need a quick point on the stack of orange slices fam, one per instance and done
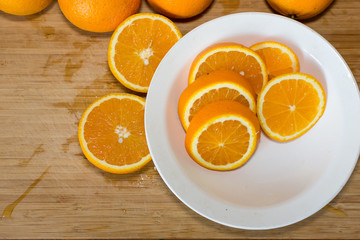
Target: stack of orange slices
(234, 91)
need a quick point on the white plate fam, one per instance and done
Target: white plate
(282, 183)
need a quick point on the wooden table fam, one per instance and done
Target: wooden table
(50, 71)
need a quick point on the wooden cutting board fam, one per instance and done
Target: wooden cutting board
(50, 71)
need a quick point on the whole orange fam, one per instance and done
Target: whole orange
(180, 8)
(23, 7)
(296, 9)
(98, 15)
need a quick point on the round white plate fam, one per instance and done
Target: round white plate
(282, 183)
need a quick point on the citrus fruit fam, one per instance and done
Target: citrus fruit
(230, 56)
(289, 105)
(137, 47)
(296, 9)
(180, 8)
(112, 133)
(23, 7)
(279, 58)
(98, 15)
(223, 135)
(216, 86)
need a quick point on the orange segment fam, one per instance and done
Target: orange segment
(112, 133)
(279, 58)
(230, 56)
(290, 105)
(137, 47)
(223, 135)
(216, 86)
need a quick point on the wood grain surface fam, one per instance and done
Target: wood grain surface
(50, 71)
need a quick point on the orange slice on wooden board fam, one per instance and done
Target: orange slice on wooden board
(230, 56)
(279, 58)
(112, 133)
(289, 105)
(218, 85)
(137, 46)
(223, 135)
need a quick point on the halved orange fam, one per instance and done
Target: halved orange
(112, 133)
(137, 46)
(230, 56)
(289, 105)
(279, 58)
(223, 135)
(218, 85)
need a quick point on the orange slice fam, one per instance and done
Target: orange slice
(223, 135)
(230, 56)
(289, 105)
(137, 46)
(112, 133)
(279, 58)
(216, 86)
